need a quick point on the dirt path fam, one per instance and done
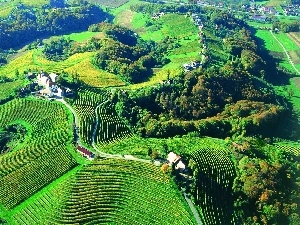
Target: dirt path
(288, 56)
(193, 209)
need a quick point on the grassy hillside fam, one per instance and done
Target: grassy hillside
(110, 191)
(79, 63)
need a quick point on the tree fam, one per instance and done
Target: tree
(165, 168)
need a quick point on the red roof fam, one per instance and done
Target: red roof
(85, 151)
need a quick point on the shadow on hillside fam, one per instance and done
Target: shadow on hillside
(272, 59)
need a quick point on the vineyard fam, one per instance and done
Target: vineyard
(110, 127)
(80, 63)
(214, 180)
(110, 192)
(99, 123)
(293, 149)
(42, 158)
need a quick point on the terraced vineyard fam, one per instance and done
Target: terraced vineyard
(84, 105)
(110, 127)
(110, 191)
(98, 120)
(43, 156)
(214, 181)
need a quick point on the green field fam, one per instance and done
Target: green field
(139, 146)
(269, 42)
(287, 42)
(79, 37)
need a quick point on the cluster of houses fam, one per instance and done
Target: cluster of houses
(196, 20)
(291, 10)
(45, 84)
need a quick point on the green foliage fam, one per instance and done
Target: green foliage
(266, 185)
(26, 24)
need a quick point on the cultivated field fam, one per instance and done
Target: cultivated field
(7, 89)
(110, 192)
(43, 157)
(214, 182)
(109, 3)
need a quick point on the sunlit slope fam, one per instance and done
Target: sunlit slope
(80, 63)
(110, 191)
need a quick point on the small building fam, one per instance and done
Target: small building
(173, 158)
(86, 153)
(176, 160)
(259, 18)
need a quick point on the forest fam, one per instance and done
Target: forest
(26, 24)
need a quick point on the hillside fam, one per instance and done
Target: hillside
(110, 191)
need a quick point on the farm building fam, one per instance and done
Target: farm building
(175, 160)
(86, 153)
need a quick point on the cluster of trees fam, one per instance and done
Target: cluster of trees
(126, 55)
(286, 27)
(167, 8)
(26, 24)
(10, 136)
(183, 105)
(267, 184)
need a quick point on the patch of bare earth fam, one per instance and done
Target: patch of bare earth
(125, 18)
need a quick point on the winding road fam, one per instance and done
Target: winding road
(107, 155)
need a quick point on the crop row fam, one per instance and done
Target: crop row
(112, 191)
(214, 182)
(43, 156)
(288, 148)
(110, 127)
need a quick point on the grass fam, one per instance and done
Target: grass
(109, 3)
(269, 42)
(83, 36)
(139, 146)
(287, 42)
